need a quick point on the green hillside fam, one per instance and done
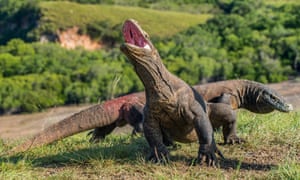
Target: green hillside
(56, 15)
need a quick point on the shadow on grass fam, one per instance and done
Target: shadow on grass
(237, 164)
(120, 152)
(228, 164)
(133, 152)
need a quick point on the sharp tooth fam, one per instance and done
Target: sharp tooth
(147, 47)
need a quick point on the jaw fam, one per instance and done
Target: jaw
(282, 107)
(277, 102)
(137, 46)
(136, 54)
(136, 39)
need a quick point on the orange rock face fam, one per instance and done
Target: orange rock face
(71, 39)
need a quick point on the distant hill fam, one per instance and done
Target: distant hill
(97, 21)
(159, 23)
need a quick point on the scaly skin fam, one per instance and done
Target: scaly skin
(250, 95)
(173, 108)
(220, 114)
(111, 114)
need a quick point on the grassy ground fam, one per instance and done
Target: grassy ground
(281, 2)
(61, 15)
(272, 151)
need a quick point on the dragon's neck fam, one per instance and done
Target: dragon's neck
(249, 96)
(157, 80)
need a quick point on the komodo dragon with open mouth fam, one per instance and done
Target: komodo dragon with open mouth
(173, 108)
(105, 117)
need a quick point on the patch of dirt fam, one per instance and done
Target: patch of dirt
(20, 126)
(71, 39)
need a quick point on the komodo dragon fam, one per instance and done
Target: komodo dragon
(173, 108)
(250, 95)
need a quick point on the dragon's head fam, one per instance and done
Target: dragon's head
(268, 100)
(137, 45)
(142, 54)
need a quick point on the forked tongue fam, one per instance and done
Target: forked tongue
(133, 35)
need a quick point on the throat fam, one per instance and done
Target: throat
(157, 81)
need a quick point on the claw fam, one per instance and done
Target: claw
(210, 159)
(90, 133)
(94, 137)
(220, 154)
(209, 152)
(159, 157)
(234, 140)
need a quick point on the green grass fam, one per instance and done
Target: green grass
(272, 151)
(281, 2)
(64, 15)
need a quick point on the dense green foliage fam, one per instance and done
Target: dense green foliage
(245, 39)
(35, 76)
(17, 18)
(249, 41)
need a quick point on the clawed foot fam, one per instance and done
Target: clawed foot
(160, 157)
(233, 140)
(207, 153)
(95, 137)
(172, 145)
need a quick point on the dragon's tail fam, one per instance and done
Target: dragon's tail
(95, 116)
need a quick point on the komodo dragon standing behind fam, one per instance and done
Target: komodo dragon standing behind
(173, 108)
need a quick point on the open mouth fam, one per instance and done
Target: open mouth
(134, 36)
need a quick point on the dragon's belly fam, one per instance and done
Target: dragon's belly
(183, 137)
(173, 119)
(179, 129)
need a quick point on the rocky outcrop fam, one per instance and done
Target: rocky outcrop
(71, 39)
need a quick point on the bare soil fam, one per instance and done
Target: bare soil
(20, 126)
